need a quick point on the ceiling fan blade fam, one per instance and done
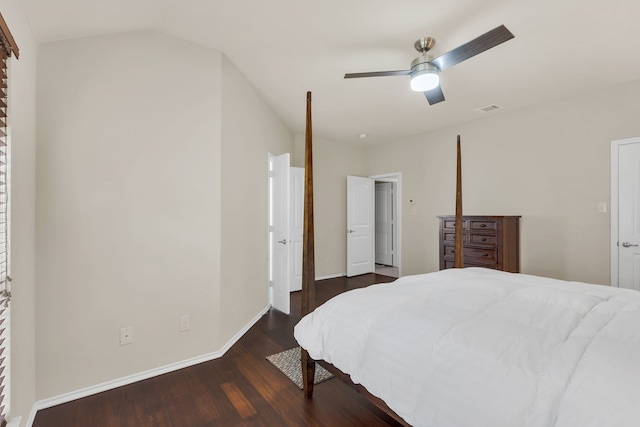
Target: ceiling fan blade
(470, 49)
(434, 95)
(378, 74)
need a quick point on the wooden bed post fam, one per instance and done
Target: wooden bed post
(458, 255)
(308, 253)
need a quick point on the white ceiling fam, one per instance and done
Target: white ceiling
(287, 47)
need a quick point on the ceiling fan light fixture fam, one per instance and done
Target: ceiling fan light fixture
(424, 75)
(425, 80)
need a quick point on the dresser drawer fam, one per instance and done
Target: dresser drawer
(474, 255)
(451, 224)
(485, 239)
(450, 235)
(448, 263)
(480, 239)
(485, 225)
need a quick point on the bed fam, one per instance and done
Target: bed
(480, 347)
(477, 347)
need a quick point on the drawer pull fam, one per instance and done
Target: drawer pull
(485, 254)
(484, 239)
(483, 225)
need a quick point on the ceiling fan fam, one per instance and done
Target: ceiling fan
(425, 70)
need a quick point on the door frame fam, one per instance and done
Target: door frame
(270, 157)
(615, 147)
(385, 211)
(395, 177)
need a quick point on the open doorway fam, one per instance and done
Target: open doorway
(361, 227)
(388, 216)
(286, 206)
(279, 252)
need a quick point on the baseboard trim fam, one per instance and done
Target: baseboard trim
(330, 276)
(130, 379)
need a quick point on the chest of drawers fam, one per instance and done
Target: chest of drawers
(488, 241)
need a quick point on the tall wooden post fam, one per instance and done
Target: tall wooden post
(308, 252)
(458, 254)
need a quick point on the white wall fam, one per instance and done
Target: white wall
(332, 162)
(128, 206)
(22, 116)
(550, 164)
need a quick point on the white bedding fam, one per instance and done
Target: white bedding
(477, 347)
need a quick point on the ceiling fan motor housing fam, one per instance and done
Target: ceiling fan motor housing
(422, 63)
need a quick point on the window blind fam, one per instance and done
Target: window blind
(5, 294)
(7, 48)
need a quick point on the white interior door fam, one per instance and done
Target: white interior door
(384, 223)
(627, 235)
(280, 233)
(297, 218)
(360, 225)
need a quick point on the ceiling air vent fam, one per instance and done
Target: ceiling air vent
(487, 108)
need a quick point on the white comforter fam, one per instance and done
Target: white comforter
(476, 347)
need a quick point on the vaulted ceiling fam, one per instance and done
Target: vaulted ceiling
(285, 47)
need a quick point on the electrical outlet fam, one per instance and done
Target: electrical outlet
(602, 207)
(126, 335)
(185, 323)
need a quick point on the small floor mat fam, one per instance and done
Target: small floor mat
(288, 362)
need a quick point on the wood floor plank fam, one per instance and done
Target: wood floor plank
(239, 389)
(284, 397)
(203, 400)
(238, 400)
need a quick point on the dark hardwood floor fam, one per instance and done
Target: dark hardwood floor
(239, 389)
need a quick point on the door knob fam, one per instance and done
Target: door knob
(283, 241)
(627, 244)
